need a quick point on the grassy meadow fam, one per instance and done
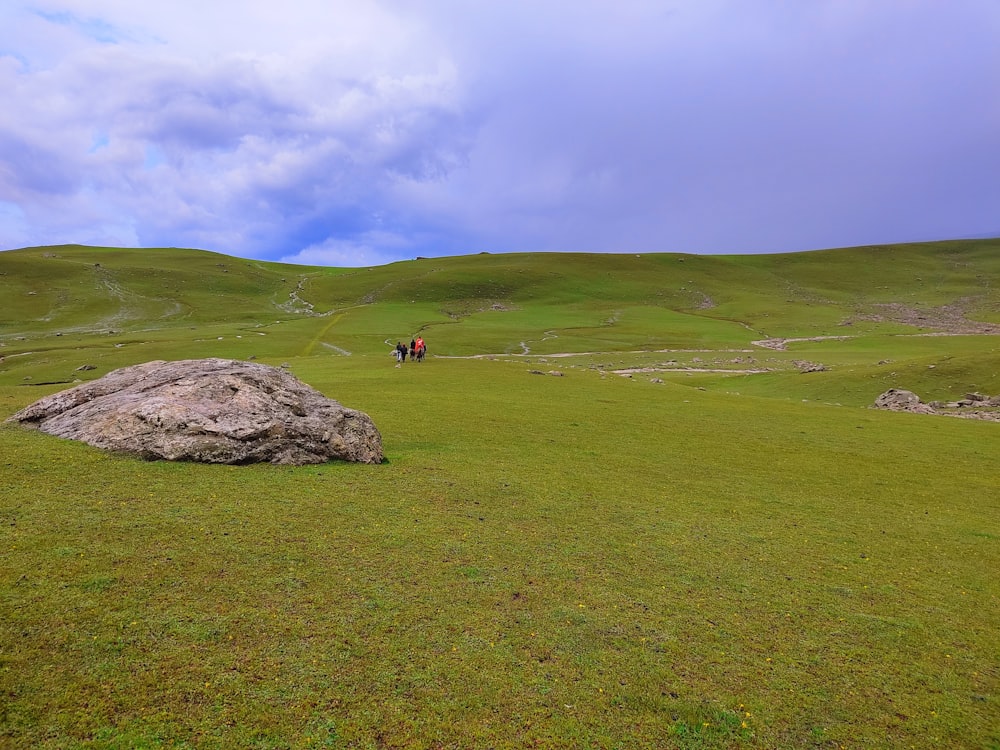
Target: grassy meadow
(685, 541)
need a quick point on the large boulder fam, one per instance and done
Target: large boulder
(208, 410)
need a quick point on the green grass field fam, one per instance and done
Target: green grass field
(740, 556)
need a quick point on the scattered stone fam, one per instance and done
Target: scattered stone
(656, 380)
(555, 373)
(84, 368)
(896, 399)
(210, 411)
(809, 366)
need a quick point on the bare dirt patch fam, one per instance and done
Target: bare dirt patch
(782, 344)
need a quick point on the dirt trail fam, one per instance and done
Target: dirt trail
(298, 306)
(561, 355)
(782, 344)
(635, 370)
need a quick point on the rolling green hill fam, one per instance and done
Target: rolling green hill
(697, 537)
(912, 306)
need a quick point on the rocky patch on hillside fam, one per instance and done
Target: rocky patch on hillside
(946, 319)
(209, 411)
(972, 406)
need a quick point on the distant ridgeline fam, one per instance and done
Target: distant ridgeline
(769, 311)
(942, 286)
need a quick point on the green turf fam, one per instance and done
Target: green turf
(720, 560)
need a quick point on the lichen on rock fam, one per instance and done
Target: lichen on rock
(210, 411)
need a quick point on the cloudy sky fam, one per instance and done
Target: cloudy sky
(356, 132)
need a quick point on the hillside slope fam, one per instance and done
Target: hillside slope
(932, 286)
(868, 308)
(697, 537)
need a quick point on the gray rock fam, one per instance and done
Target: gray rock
(896, 399)
(806, 367)
(208, 410)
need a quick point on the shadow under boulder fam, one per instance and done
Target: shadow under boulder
(210, 411)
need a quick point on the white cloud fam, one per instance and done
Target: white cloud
(371, 249)
(256, 128)
(193, 140)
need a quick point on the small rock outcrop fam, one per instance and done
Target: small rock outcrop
(806, 367)
(973, 406)
(210, 411)
(896, 399)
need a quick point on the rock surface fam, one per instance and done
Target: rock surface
(896, 399)
(210, 411)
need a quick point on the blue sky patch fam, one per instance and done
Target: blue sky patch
(101, 140)
(94, 28)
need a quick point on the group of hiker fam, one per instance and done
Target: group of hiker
(416, 350)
